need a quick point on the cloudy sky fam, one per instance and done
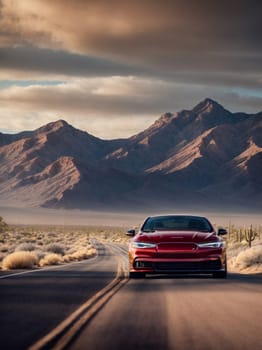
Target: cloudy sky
(111, 67)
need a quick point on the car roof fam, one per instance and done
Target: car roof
(176, 215)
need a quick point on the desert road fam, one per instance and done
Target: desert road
(92, 305)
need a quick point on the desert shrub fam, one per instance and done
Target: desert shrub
(17, 236)
(80, 255)
(55, 248)
(7, 249)
(233, 249)
(4, 248)
(51, 259)
(249, 257)
(40, 238)
(51, 234)
(26, 247)
(39, 253)
(19, 260)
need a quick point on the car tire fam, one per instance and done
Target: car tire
(220, 274)
(137, 275)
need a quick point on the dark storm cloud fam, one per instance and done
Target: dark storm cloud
(34, 62)
(33, 59)
(166, 38)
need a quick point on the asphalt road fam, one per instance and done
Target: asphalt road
(179, 313)
(158, 312)
(32, 304)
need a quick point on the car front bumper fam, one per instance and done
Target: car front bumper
(178, 265)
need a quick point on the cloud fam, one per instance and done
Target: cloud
(32, 63)
(123, 63)
(172, 38)
(112, 96)
(108, 107)
(77, 25)
(21, 61)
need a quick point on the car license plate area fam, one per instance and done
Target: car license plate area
(176, 247)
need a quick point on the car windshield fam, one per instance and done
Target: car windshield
(177, 223)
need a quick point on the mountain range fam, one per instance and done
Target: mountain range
(206, 157)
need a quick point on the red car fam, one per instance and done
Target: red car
(177, 244)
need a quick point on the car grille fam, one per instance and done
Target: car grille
(176, 247)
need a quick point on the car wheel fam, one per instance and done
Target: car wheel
(136, 275)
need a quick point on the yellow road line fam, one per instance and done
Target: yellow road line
(61, 335)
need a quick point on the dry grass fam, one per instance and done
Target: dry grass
(25, 247)
(67, 243)
(51, 259)
(111, 234)
(56, 244)
(241, 258)
(56, 248)
(74, 244)
(20, 260)
(81, 254)
(248, 260)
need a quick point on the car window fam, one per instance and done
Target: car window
(180, 223)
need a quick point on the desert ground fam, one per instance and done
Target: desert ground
(38, 237)
(34, 216)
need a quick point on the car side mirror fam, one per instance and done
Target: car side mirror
(221, 232)
(131, 233)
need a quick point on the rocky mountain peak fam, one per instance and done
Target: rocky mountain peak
(167, 115)
(208, 105)
(54, 126)
(164, 119)
(194, 155)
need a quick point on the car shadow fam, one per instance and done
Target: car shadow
(231, 277)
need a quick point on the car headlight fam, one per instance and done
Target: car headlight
(219, 244)
(143, 245)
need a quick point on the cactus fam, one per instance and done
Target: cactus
(259, 232)
(229, 230)
(239, 236)
(250, 235)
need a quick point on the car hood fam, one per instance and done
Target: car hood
(176, 236)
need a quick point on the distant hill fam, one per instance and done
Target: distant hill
(204, 157)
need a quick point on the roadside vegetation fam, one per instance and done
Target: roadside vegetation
(244, 249)
(37, 246)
